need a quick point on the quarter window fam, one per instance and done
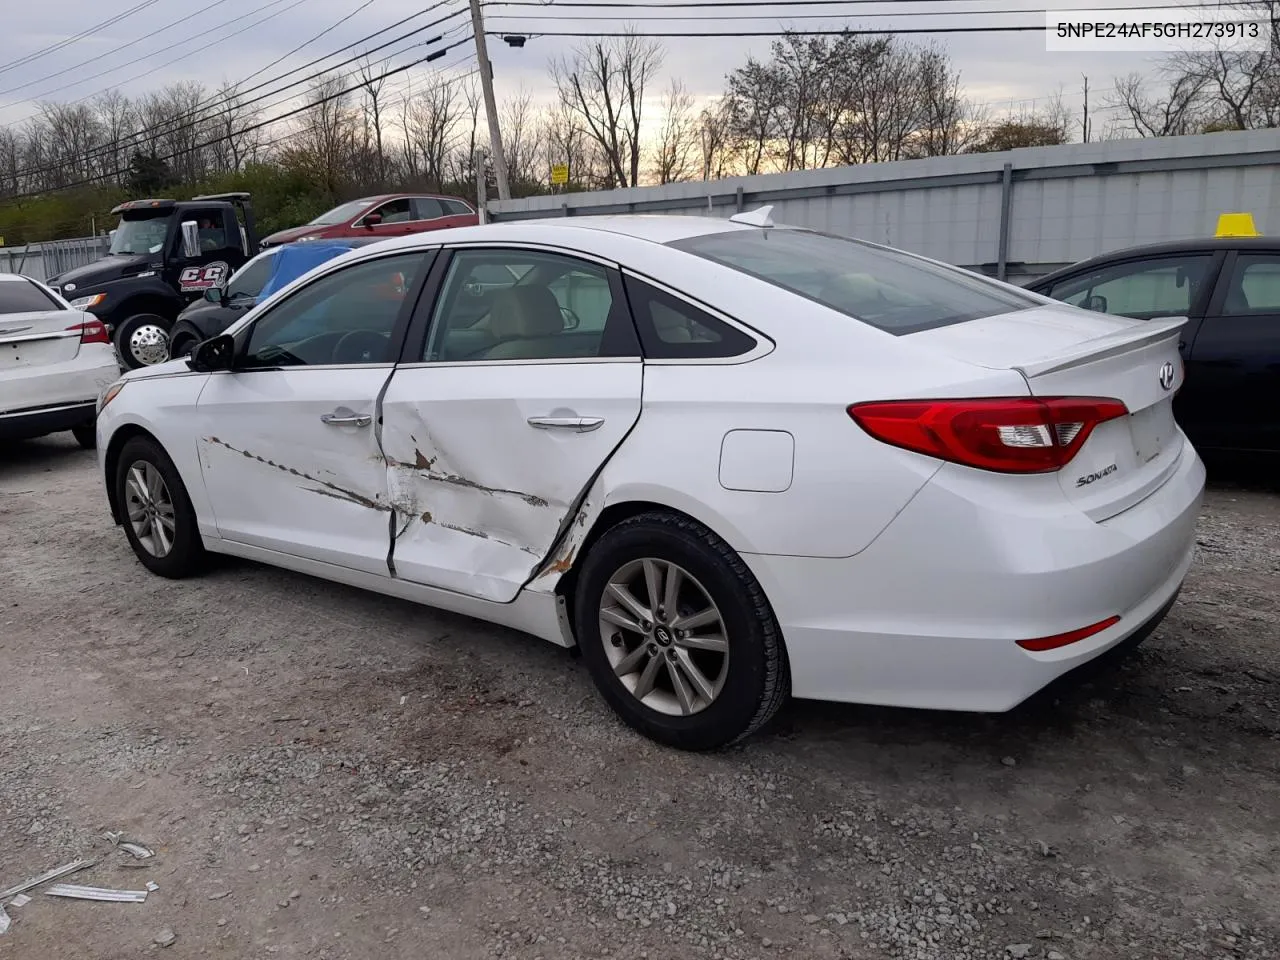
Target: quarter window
(1164, 287)
(346, 317)
(673, 329)
(1254, 287)
(527, 305)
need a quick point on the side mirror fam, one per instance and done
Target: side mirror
(216, 353)
(190, 239)
(1096, 303)
(372, 220)
(215, 295)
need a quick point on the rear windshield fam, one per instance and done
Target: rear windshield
(23, 296)
(892, 291)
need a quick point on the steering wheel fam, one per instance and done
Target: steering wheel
(360, 346)
(571, 320)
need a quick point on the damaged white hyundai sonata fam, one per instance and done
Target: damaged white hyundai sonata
(729, 461)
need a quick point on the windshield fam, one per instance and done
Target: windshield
(341, 214)
(139, 236)
(249, 280)
(887, 289)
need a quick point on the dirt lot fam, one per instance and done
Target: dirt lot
(329, 774)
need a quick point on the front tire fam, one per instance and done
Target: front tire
(158, 518)
(705, 674)
(142, 340)
(182, 345)
(86, 435)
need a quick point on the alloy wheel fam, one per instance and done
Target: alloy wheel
(150, 509)
(664, 637)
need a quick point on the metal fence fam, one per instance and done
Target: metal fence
(52, 257)
(1016, 215)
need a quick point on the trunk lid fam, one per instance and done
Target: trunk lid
(39, 338)
(1064, 352)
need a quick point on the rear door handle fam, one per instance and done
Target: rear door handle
(347, 419)
(578, 424)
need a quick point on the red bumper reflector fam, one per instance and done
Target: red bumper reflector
(1072, 636)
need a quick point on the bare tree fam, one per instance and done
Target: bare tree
(325, 139)
(713, 139)
(603, 83)
(430, 120)
(1180, 110)
(678, 137)
(522, 141)
(231, 118)
(371, 84)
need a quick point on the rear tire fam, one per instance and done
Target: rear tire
(159, 520)
(707, 674)
(86, 435)
(142, 340)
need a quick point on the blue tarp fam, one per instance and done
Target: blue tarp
(292, 261)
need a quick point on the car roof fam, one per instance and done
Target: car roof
(1164, 249)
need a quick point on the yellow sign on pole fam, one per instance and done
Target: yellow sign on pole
(559, 174)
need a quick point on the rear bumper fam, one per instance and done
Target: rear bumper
(929, 615)
(26, 424)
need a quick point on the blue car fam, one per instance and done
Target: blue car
(262, 276)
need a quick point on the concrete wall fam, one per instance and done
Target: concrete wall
(1042, 207)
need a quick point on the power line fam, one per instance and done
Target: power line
(779, 33)
(252, 127)
(1008, 11)
(306, 43)
(195, 110)
(96, 28)
(200, 118)
(125, 46)
(148, 73)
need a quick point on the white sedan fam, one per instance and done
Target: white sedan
(729, 461)
(54, 363)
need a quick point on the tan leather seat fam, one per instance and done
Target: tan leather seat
(527, 322)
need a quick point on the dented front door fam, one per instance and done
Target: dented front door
(492, 458)
(291, 462)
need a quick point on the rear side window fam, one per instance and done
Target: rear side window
(456, 207)
(673, 329)
(887, 289)
(1254, 287)
(427, 208)
(23, 296)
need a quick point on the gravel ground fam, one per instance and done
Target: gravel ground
(329, 774)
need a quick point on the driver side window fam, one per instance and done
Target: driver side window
(1167, 286)
(346, 317)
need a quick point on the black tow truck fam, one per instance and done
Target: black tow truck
(164, 254)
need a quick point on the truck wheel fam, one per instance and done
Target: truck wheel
(143, 340)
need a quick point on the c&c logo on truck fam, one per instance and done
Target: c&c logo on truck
(202, 278)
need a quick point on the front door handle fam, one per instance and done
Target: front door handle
(347, 419)
(578, 424)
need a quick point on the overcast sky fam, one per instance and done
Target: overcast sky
(212, 41)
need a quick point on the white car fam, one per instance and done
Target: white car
(54, 363)
(728, 461)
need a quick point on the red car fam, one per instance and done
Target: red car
(386, 215)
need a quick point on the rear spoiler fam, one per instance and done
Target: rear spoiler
(1141, 334)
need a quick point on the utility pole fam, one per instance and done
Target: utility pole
(1085, 122)
(482, 186)
(490, 105)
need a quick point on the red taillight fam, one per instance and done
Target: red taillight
(1071, 636)
(92, 331)
(1005, 434)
